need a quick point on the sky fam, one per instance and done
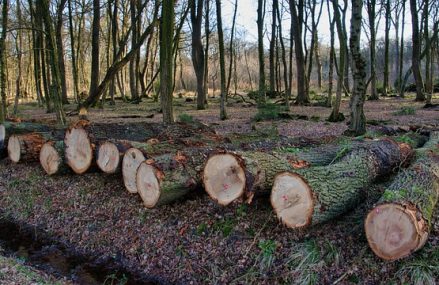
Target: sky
(247, 14)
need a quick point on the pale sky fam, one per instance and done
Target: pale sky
(247, 14)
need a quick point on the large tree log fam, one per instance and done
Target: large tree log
(228, 176)
(79, 147)
(400, 222)
(167, 178)
(52, 157)
(25, 147)
(315, 195)
(3, 152)
(109, 155)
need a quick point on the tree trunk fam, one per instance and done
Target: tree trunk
(197, 50)
(336, 115)
(388, 17)
(400, 223)
(60, 51)
(223, 112)
(357, 125)
(19, 50)
(261, 57)
(73, 52)
(25, 147)
(3, 56)
(166, 73)
(132, 159)
(52, 158)
(372, 47)
(416, 49)
(94, 79)
(272, 45)
(296, 33)
(167, 178)
(315, 195)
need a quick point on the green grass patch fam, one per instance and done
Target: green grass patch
(269, 112)
(185, 118)
(405, 111)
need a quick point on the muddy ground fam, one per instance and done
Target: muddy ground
(197, 242)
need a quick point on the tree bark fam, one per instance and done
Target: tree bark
(311, 196)
(60, 51)
(416, 49)
(357, 125)
(223, 112)
(166, 58)
(400, 223)
(196, 11)
(3, 56)
(25, 147)
(52, 158)
(372, 47)
(261, 57)
(95, 48)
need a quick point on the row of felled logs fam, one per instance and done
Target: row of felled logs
(306, 186)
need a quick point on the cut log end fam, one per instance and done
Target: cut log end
(14, 148)
(2, 136)
(131, 161)
(78, 150)
(292, 200)
(108, 157)
(224, 178)
(50, 159)
(148, 184)
(393, 231)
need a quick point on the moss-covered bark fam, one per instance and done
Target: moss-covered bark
(341, 186)
(415, 191)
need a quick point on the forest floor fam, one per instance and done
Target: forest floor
(198, 242)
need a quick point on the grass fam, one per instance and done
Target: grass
(266, 257)
(269, 112)
(405, 111)
(421, 269)
(185, 118)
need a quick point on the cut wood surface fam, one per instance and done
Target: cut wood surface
(78, 149)
(400, 222)
(315, 195)
(25, 148)
(52, 157)
(132, 159)
(109, 155)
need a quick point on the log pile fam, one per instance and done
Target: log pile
(306, 186)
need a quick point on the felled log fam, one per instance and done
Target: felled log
(315, 195)
(229, 176)
(3, 152)
(109, 155)
(400, 222)
(25, 147)
(52, 157)
(132, 159)
(167, 178)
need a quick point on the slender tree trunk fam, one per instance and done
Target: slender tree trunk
(357, 125)
(386, 48)
(272, 44)
(94, 78)
(166, 58)
(223, 112)
(401, 53)
(336, 115)
(416, 49)
(73, 52)
(284, 59)
(3, 107)
(19, 50)
(60, 50)
(372, 48)
(206, 52)
(428, 79)
(261, 57)
(331, 58)
(196, 10)
(296, 33)
(132, 65)
(231, 49)
(55, 88)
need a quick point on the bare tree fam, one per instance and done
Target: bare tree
(416, 50)
(3, 83)
(223, 112)
(357, 124)
(166, 60)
